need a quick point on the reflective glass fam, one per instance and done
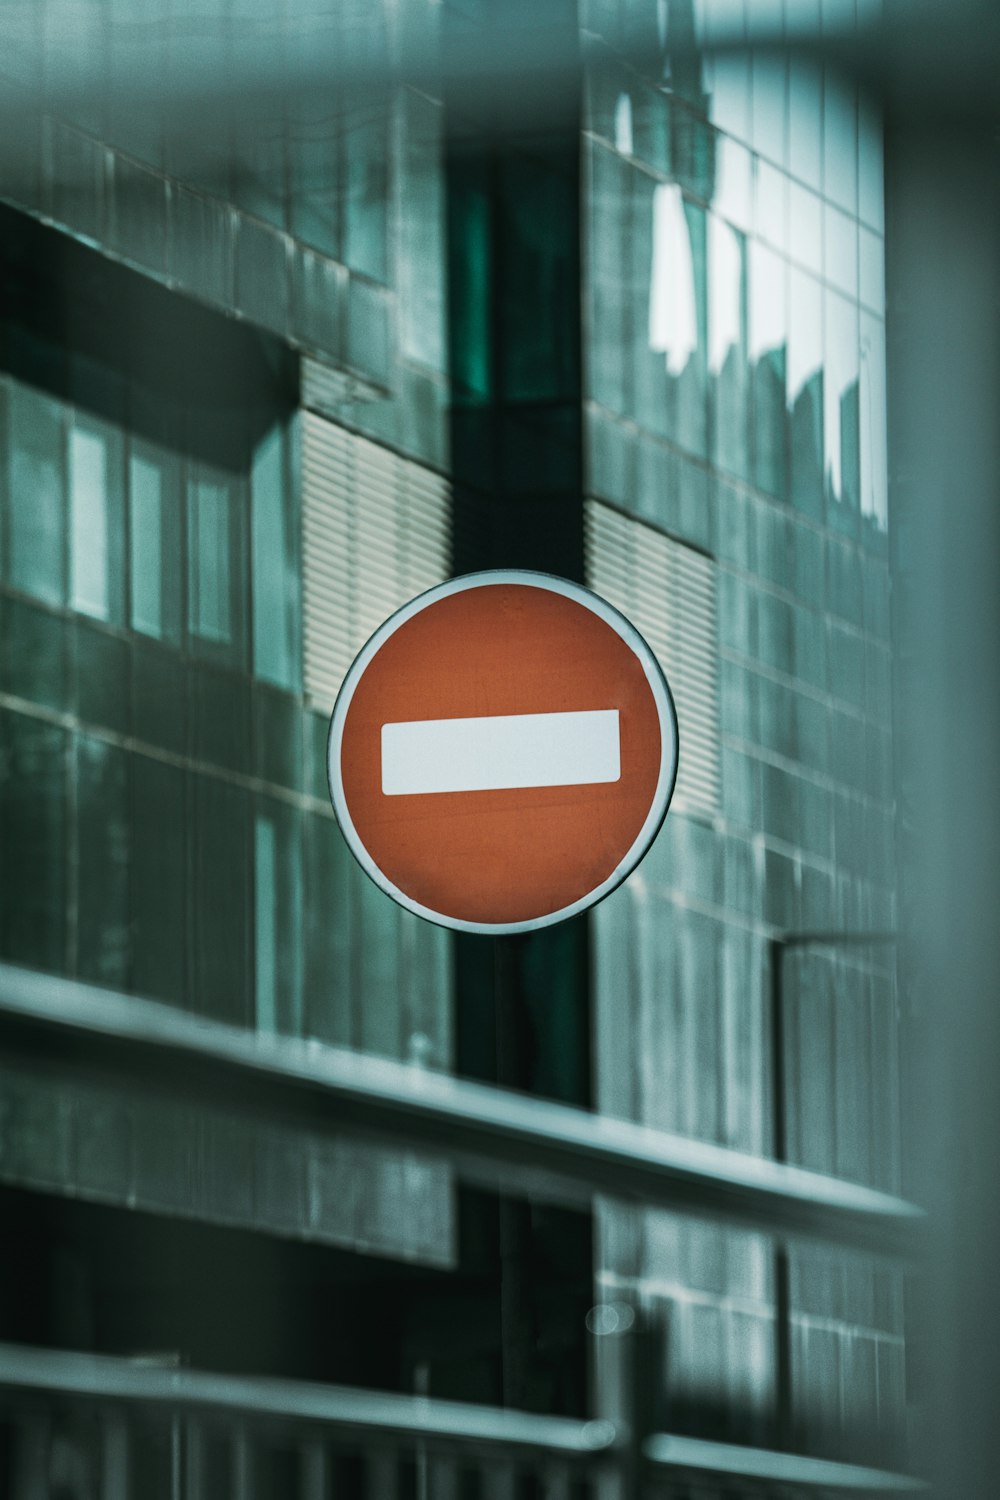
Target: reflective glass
(365, 183)
(103, 816)
(36, 484)
(874, 459)
(840, 141)
(276, 590)
(805, 391)
(278, 918)
(769, 86)
(871, 187)
(728, 87)
(805, 228)
(840, 405)
(805, 122)
(221, 865)
(649, 395)
(768, 340)
(840, 250)
(677, 311)
(727, 345)
(771, 218)
(33, 822)
(872, 270)
(421, 229)
(313, 178)
(96, 529)
(733, 183)
(155, 530)
(211, 564)
(609, 199)
(470, 230)
(538, 277)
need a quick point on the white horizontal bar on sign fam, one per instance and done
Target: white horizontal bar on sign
(500, 751)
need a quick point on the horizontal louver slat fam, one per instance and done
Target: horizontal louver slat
(668, 591)
(375, 532)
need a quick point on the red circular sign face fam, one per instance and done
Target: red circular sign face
(502, 752)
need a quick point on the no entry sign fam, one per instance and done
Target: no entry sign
(502, 752)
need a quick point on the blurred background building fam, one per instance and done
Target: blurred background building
(269, 370)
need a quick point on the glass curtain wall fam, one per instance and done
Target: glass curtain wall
(734, 401)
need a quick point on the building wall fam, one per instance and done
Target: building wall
(734, 358)
(166, 824)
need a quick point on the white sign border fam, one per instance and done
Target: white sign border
(669, 743)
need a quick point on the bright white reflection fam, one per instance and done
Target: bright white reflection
(725, 293)
(733, 188)
(767, 304)
(623, 125)
(841, 379)
(673, 328)
(874, 459)
(805, 332)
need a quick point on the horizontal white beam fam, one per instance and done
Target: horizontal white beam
(500, 751)
(524, 1145)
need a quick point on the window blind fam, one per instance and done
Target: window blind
(375, 531)
(668, 591)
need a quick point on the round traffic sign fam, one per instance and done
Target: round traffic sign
(502, 752)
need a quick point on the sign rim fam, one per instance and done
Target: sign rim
(669, 743)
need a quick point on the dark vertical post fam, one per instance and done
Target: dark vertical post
(779, 1128)
(516, 1330)
(943, 296)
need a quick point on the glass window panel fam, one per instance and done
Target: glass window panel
(314, 214)
(539, 276)
(217, 546)
(727, 84)
(720, 19)
(677, 310)
(727, 345)
(874, 462)
(769, 106)
(278, 919)
(841, 406)
(365, 189)
(733, 183)
(805, 391)
(623, 124)
(872, 267)
(102, 815)
(840, 250)
(805, 227)
(159, 886)
(275, 564)
(221, 864)
(840, 141)
(88, 490)
(146, 494)
(802, 18)
(329, 935)
(264, 926)
(35, 538)
(768, 354)
(607, 262)
(772, 206)
(33, 842)
(871, 187)
(470, 259)
(649, 400)
(651, 115)
(805, 118)
(211, 604)
(155, 540)
(421, 258)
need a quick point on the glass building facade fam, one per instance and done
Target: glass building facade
(261, 383)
